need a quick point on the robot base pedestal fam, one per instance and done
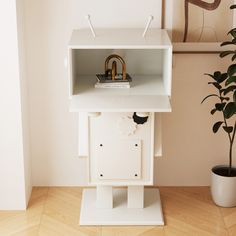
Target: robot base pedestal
(151, 214)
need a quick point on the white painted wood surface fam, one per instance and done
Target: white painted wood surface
(117, 160)
(144, 62)
(152, 103)
(147, 94)
(141, 85)
(150, 70)
(104, 197)
(158, 135)
(83, 135)
(120, 39)
(167, 71)
(151, 214)
(135, 197)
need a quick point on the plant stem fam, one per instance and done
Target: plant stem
(230, 159)
(231, 140)
(234, 132)
(231, 149)
(226, 125)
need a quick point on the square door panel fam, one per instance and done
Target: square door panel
(119, 159)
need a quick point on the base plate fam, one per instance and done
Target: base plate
(151, 214)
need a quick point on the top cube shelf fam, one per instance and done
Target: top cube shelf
(120, 39)
(148, 61)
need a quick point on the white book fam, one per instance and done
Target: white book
(112, 85)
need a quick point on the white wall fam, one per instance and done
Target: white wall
(190, 149)
(13, 194)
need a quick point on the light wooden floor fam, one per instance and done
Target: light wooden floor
(55, 212)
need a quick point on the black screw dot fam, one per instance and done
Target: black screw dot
(101, 175)
(136, 175)
(136, 145)
(101, 145)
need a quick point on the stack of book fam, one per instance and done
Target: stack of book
(107, 82)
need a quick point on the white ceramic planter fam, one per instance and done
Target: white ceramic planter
(223, 189)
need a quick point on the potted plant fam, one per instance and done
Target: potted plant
(223, 181)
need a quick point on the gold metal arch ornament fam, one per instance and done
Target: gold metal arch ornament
(204, 5)
(113, 71)
(111, 75)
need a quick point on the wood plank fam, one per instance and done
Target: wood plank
(55, 211)
(120, 38)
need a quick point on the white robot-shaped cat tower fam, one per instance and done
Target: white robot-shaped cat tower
(119, 128)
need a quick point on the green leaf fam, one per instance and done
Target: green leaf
(233, 57)
(228, 129)
(218, 77)
(229, 89)
(216, 126)
(212, 76)
(231, 70)
(230, 80)
(221, 91)
(223, 77)
(226, 53)
(230, 110)
(220, 106)
(211, 95)
(227, 43)
(233, 6)
(217, 85)
(225, 98)
(213, 111)
(232, 30)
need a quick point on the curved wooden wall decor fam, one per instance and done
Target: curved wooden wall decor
(204, 5)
